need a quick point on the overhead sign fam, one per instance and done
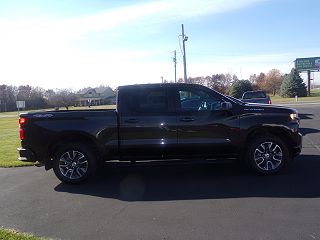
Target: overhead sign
(304, 64)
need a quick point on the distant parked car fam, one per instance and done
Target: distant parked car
(256, 97)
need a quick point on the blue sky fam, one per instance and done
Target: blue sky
(79, 43)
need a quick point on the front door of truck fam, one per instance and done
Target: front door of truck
(147, 121)
(204, 127)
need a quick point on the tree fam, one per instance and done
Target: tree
(293, 85)
(260, 81)
(219, 82)
(24, 93)
(239, 87)
(7, 99)
(273, 80)
(63, 98)
(197, 80)
(37, 98)
(49, 94)
(235, 77)
(253, 78)
(34, 97)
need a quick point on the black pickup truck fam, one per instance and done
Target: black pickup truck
(161, 122)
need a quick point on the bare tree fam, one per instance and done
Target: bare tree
(220, 82)
(253, 78)
(197, 80)
(63, 98)
(7, 98)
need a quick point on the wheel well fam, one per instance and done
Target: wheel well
(281, 133)
(68, 138)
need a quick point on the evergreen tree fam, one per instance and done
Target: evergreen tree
(238, 87)
(293, 85)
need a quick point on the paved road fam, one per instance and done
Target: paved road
(172, 202)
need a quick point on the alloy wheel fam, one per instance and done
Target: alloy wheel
(73, 164)
(268, 156)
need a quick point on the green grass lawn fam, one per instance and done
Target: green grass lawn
(10, 234)
(9, 142)
(314, 97)
(9, 137)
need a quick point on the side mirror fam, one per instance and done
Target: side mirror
(226, 106)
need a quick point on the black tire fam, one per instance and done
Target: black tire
(74, 163)
(267, 155)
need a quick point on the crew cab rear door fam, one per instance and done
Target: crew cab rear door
(204, 128)
(147, 122)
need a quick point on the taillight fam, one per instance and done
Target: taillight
(22, 122)
(21, 134)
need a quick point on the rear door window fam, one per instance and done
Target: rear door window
(148, 100)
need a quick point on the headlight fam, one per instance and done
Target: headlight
(293, 116)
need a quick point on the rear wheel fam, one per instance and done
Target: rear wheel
(74, 163)
(267, 155)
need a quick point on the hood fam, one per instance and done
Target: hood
(267, 108)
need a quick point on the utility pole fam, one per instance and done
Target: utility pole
(161, 79)
(175, 66)
(184, 39)
(309, 83)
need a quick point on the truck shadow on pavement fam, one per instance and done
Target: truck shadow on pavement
(209, 181)
(306, 131)
(303, 116)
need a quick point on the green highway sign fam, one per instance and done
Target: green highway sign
(304, 64)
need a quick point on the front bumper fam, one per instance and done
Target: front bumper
(26, 155)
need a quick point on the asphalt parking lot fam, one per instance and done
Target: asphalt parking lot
(216, 201)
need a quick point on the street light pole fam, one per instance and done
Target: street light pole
(184, 39)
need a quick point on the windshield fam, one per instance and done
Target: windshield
(249, 95)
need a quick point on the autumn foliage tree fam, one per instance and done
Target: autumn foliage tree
(218, 82)
(260, 81)
(273, 81)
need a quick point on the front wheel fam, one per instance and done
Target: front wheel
(268, 155)
(74, 163)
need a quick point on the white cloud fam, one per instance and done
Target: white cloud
(43, 51)
(73, 28)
